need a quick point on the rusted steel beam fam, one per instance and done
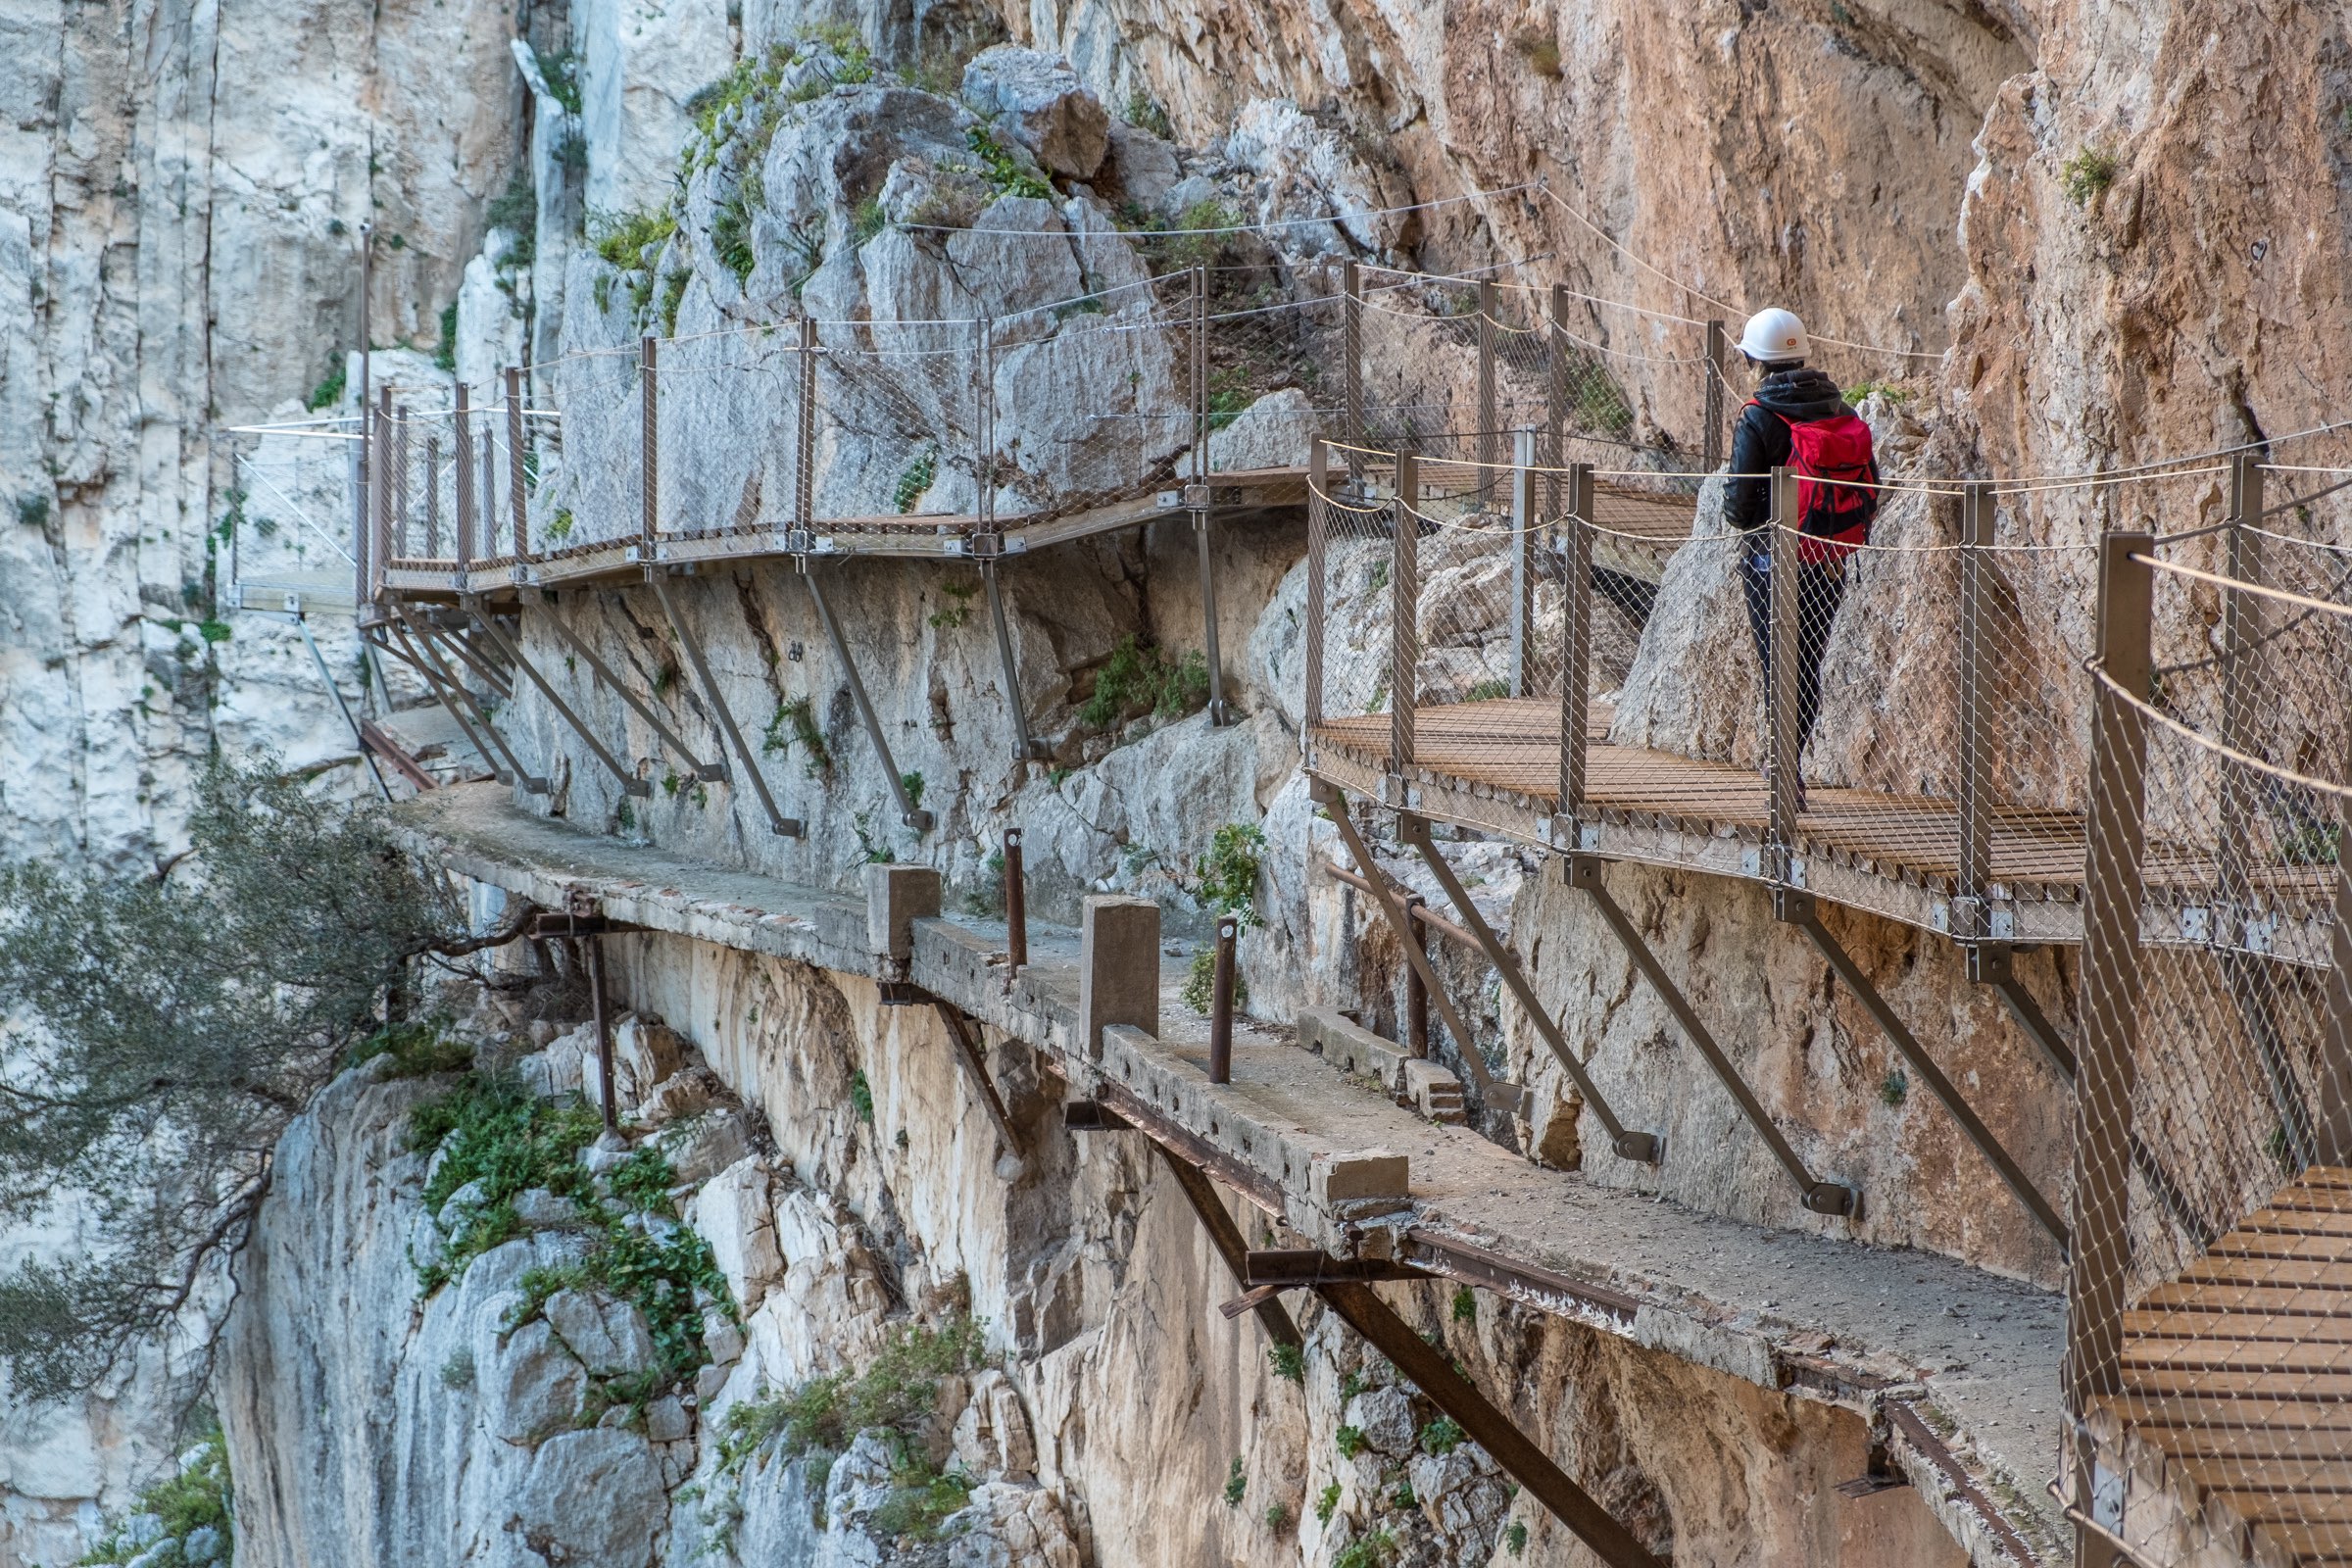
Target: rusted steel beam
(1226, 1237)
(1220, 1014)
(975, 1069)
(1428, 1370)
(781, 826)
(1290, 1267)
(1638, 1146)
(709, 772)
(630, 783)
(1017, 908)
(372, 736)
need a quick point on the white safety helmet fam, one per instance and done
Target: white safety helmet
(1773, 336)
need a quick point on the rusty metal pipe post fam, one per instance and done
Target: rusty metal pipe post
(1416, 995)
(594, 949)
(1318, 531)
(461, 546)
(1711, 439)
(1576, 655)
(1016, 907)
(1785, 744)
(1220, 1018)
(1351, 366)
(803, 472)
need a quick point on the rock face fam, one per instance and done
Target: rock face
(1116, 1418)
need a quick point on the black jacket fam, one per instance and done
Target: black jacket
(1760, 442)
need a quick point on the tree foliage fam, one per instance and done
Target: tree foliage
(164, 1029)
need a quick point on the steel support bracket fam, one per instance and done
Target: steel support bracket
(630, 783)
(1494, 1093)
(1093, 1116)
(716, 772)
(1819, 1197)
(910, 813)
(1794, 907)
(1298, 1267)
(969, 1057)
(1643, 1147)
(778, 823)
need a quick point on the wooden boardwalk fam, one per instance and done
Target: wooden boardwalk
(1495, 765)
(2234, 1419)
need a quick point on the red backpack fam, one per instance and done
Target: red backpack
(1836, 515)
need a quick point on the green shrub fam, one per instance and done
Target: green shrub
(32, 509)
(1516, 1538)
(1402, 1497)
(914, 482)
(198, 1498)
(1278, 1516)
(1289, 1362)
(1375, 1551)
(562, 73)
(920, 1499)
(2088, 175)
(328, 391)
(1351, 1441)
(795, 724)
(1235, 1484)
(1465, 1305)
(1145, 113)
(1228, 870)
(1328, 1503)
(731, 233)
(1895, 1087)
(1002, 169)
(1137, 678)
(867, 219)
(1443, 1436)
(445, 356)
(673, 295)
(861, 1098)
(419, 1048)
(1486, 691)
(1199, 991)
(950, 616)
(625, 240)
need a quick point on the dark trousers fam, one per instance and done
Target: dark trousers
(1819, 588)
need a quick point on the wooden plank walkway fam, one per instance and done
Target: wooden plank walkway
(2237, 1386)
(1495, 765)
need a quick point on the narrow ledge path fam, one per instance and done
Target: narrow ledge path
(1959, 1365)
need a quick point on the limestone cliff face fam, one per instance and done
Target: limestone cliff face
(373, 1422)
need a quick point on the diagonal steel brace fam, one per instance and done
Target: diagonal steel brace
(1794, 907)
(448, 684)
(630, 783)
(709, 772)
(1013, 671)
(976, 1068)
(1644, 1148)
(780, 824)
(1495, 1093)
(492, 677)
(1819, 1196)
(909, 812)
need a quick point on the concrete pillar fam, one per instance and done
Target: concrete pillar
(895, 897)
(1119, 969)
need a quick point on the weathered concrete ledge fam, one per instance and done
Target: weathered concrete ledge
(1960, 1367)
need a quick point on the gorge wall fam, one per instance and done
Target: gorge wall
(2032, 184)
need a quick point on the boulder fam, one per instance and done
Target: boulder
(992, 1437)
(1271, 434)
(543, 1210)
(1037, 98)
(609, 1336)
(1008, 1526)
(531, 1386)
(702, 1146)
(646, 1052)
(734, 1214)
(592, 1497)
(1385, 1416)
(1145, 166)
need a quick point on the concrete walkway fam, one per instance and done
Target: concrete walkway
(1961, 1367)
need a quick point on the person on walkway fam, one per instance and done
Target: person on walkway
(1797, 419)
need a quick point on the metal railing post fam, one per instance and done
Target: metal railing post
(362, 519)
(1016, 907)
(1351, 370)
(400, 550)
(1576, 655)
(1416, 990)
(2242, 627)
(1711, 440)
(1488, 435)
(1203, 519)
(1523, 557)
(2106, 1070)
(1405, 599)
(385, 461)
(1785, 744)
(460, 546)
(804, 475)
(485, 533)
(1318, 530)
(984, 425)
(518, 494)
(649, 395)
(432, 496)
(1555, 395)
(1970, 921)
(1220, 1016)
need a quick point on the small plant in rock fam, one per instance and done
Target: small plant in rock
(1515, 1537)
(1002, 169)
(861, 1098)
(1349, 1441)
(1401, 1497)
(1327, 1503)
(329, 391)
(872, 849)
(1895, 1086)
(181, 1520)
(1278, 1516)
(954, 614)
(2088, 175)
(867, 220)
(445, 356)
(913, 481)
(558, 528)
(1375, 1551)
(1235, 1484)
(795, 724)
(561, 72)
(1144, 113)
(1487, 691)
(1443, 1436)
(458, 1371)
(1465, 1305)
(1289, 1362)
(419, 1048)
(731, 230)
(1139, 678)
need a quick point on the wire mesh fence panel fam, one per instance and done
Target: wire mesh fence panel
(899, 419)
(1357, 595)
(1093, 400)
(728, 433)
(1273, 361)
(589, 489)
